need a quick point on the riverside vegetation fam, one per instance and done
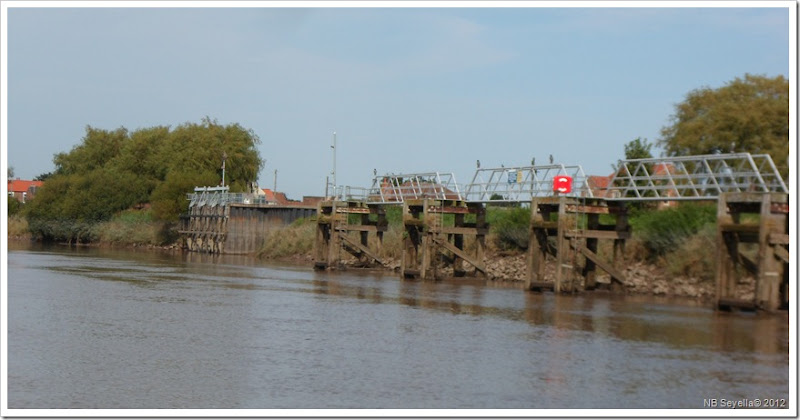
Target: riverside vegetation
(130, 186)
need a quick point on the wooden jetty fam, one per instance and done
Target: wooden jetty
(428, 236)
(575, 226)
(337, 224)
(762, 220)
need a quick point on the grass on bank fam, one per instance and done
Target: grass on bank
(134, 227)
(128, 227)
(18, 227)
(292, 240)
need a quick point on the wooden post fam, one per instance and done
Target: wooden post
(458, 242)
(364, 236)
(563, 262)
(589, 269)
(725, 263)
(427, 242)
(480, 237)
(537, 246)
(322, 238)
(383, 225)
(785, 285)
(334, 243)
(619, 244)
(768, 282)
(409, 265)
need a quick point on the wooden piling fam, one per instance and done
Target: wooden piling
(770, 265)
(333, 233)
(575, 249)
(429, 244)
(213, 226)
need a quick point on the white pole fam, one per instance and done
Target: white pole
(334, 163)
(224, 157)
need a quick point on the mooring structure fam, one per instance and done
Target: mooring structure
(568, 224)
(345, 225)
(221, 222)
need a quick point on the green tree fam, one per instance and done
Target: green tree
(197, 147)
(749, 114)
(638, 148)
(14, 206)
(98, 147)
(10, 172)
(169, 198)
(43, 176)
(113, 170)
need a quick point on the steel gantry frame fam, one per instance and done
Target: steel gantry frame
(396, 188)
(523, 183)
(699, 177)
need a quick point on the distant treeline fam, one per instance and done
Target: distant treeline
(111, 171)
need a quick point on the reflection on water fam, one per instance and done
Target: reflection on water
(93, 328)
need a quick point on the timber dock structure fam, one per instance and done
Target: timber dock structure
(568, 221)
(566, 225)
(220, 222)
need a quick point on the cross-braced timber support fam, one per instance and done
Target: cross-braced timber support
(205, 228)
(427, 236)
(335, 222)
(575, 244)
(769, 265)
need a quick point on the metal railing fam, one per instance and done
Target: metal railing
(694, 177)
(396, 188)
(700, 177)
(219, 196)
(523, 183)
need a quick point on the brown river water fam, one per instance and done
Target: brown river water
(99, 328)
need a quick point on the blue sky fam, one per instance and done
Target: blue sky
(406, 89)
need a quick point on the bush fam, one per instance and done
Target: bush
(662, 231)
(509, 226)
(295, 239)
(17, 227)
(66, 230)
(14, 206)
(695, 255)
(134, 227)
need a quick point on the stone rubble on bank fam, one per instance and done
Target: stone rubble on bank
(641, 277)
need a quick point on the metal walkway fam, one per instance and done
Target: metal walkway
(702, 177)
(523, 183)
(396, 188)
(699, 177)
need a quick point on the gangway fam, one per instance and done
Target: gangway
(396, 188)
(523, 183)
(700, 177)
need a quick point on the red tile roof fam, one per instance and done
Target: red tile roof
(278, 197)
(598, 181)
(663, 169)
(269, 195)
(19, 185)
